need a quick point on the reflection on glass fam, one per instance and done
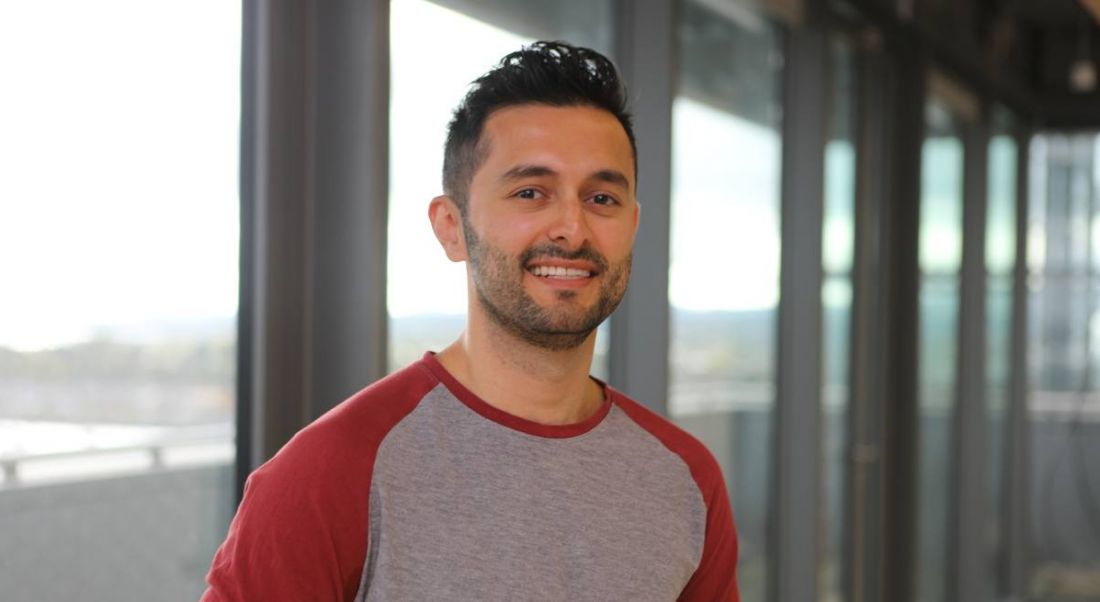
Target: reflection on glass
(941, 204)
(1000, 257)
(118, 258)
(725, 259)
(1060, 310)
(838, 246)
(1064, 405)
(940, 261)
(1000, 236)
(426, 293)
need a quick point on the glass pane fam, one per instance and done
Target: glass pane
(426, 293)
(1067, 204)
(1036, 211)
(1064, 338)
(836, 321)
(1000, 233)
(836, 296)
(939, 305)
(941, 200)
(940, 259)
(1095, 228)
(1058, 344)
(725, 200)
(118, 254)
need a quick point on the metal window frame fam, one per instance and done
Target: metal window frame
(797, 442)
(1016, 565)
(966, 560)
(314, 153)
(645, 49)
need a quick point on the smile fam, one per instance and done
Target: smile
(546, 271)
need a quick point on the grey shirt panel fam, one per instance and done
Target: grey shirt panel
(466, 508)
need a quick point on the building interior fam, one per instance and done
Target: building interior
(867, 273)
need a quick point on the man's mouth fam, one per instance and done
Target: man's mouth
(549, 271)
(550, 262)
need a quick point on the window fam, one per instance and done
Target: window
(118, 254)
(724, 264)
(940, 261)
(1064, 346)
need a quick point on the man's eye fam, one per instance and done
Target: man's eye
(528, 193)
(604, 199)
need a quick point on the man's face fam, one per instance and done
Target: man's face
(550, 222)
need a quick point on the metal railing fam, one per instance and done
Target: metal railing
(155, 448)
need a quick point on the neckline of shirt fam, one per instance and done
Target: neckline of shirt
(499, 416)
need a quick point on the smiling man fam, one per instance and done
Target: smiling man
(498, 469)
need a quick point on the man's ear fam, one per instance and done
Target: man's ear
(447, 225)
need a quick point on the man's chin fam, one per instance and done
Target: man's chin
(556, 340)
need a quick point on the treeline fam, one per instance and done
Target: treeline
(194, 361)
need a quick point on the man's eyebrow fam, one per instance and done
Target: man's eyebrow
(520, 172)
(612, 176)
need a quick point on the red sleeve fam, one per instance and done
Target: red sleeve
(301, 530)
(716, 577)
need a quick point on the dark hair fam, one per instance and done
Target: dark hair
(550, 73)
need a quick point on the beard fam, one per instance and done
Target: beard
(498, 282)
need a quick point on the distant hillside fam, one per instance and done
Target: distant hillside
(181, 380)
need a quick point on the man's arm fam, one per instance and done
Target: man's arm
(716, 577)
(290, 540)
(302, 529)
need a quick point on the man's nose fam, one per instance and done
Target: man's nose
(570, 226)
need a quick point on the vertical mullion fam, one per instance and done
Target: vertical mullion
(798, 465)
(967, 557)
(863, 505)
(1017, 456)
(246, 258)
(278, 178)
(902, 212)
(646, 49)
(351, 190)
(314, 149)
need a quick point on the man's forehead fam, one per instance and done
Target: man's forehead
(513, 138)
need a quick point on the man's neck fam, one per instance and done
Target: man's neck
(540, 385)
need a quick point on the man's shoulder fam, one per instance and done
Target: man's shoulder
(701, 462)
(351, 432)
(379, 406)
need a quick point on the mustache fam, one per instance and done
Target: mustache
(584, 253)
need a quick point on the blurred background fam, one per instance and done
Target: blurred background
(867, 276)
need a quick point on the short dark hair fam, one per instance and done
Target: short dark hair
(549, 73)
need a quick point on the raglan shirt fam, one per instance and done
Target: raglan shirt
(416, 489)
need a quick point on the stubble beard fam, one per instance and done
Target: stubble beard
(498, 282)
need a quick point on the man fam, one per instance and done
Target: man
(498, 469)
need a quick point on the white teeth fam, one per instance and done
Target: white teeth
(559, 272)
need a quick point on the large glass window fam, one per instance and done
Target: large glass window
(724, 273)
(1064, 346)
(426, 293)
(940, 261)
(838, 240)
(118, 257)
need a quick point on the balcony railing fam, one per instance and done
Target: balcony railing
(35, 452)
